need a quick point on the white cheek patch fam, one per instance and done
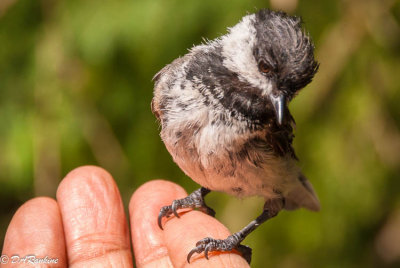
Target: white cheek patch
(237, 50)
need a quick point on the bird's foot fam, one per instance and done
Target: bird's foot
(209, 244)
(194, 200)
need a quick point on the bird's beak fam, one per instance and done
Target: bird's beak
(279, 102)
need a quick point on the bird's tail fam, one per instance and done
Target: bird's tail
(302, 195)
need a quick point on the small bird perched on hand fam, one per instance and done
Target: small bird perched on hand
(225, 121)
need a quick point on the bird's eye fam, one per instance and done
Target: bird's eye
(264, 67)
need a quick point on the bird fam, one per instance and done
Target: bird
(224, 117)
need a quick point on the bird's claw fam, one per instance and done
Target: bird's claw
(194, 200)
(167, 211)
(209, 244)
(175, 205)
(205, 245)
(164, 212)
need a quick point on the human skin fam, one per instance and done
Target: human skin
(87, 227)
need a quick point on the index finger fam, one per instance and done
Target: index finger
(179, 235)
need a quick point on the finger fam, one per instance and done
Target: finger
(179, 235)
(147, 238)
(36, 231)
(96, 230)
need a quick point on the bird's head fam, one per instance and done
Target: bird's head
(270, 51)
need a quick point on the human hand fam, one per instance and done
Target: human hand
(87, 227)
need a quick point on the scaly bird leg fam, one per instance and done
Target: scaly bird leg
(194, 200)
(206, 245)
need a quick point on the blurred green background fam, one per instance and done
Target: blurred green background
(75, 89)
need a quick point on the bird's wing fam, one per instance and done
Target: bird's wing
(158, 75)
(161, 84)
